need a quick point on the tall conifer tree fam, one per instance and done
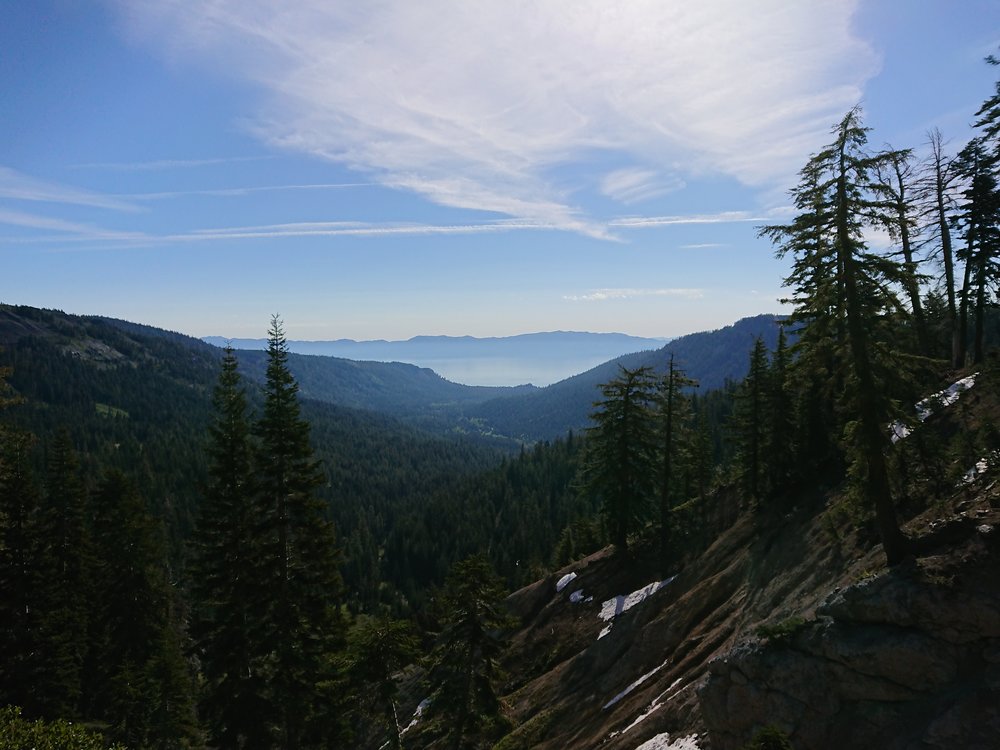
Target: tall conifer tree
(751, 423)
(621, 450)
(227, 598)
(136, 678)
(62, 583)
(465, 666)
(844, 296)
(299, 572)
(673, 413)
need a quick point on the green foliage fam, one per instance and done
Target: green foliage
(465, 664)
(622, 451)
(299, 626)
(18, 733)
(780, 630)
(846, 302)
(529, 734)
(673, 416)
(62, 580)
(135, 676)
(225, 553)
(769, 738)
(751, 423)
(377, 650)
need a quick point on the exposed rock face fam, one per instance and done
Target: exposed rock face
(909, 659)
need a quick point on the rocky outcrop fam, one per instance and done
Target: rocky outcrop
(908, 659)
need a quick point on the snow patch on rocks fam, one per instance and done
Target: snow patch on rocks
(620, 604)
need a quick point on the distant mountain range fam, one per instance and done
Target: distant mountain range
(524, 413)
(500, 416)
(537, 358)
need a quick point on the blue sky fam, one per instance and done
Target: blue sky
(382, 170)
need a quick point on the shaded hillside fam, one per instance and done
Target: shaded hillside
(787, 617)
(390, 387)
(712, 358)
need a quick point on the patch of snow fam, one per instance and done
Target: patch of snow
(942, 398)
(612, 608)
(632, 687)
(564, 581)
(421, 707)
(981, 467)
(577, 596)
(662, 742)
(652, 708)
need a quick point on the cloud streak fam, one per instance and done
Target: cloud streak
(241, 191)
(604, 295)
(651, 222)
(70, 229)
(19, 186)
(160, 164)
(477, 105)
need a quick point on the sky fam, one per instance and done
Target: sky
(390, 169)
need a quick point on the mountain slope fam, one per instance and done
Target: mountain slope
(782, 616)
(712, 358)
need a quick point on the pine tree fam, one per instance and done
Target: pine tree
(465, 665)
(136, 677)
(896, 175)
(19, 540)
(62, 583)
(781, 417)
(226, 551)
(978, 220)
(937, 189)
(621, 452)
(844, 296)
(752, 425)
(672, 415)
(298, 572)
(377, 649)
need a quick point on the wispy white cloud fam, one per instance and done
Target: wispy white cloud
(603, 295)
(636, 185)
(242, 191)
(346, 229)
(68, 229)
(76, 232)
(704, 245)
(144, 166)
(646, 222)
(19, 186)
(475, 104)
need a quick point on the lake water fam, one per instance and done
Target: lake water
(509, 370)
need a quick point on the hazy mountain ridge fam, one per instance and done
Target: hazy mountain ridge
(710, 357)
(424, 346)
(539, 358)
